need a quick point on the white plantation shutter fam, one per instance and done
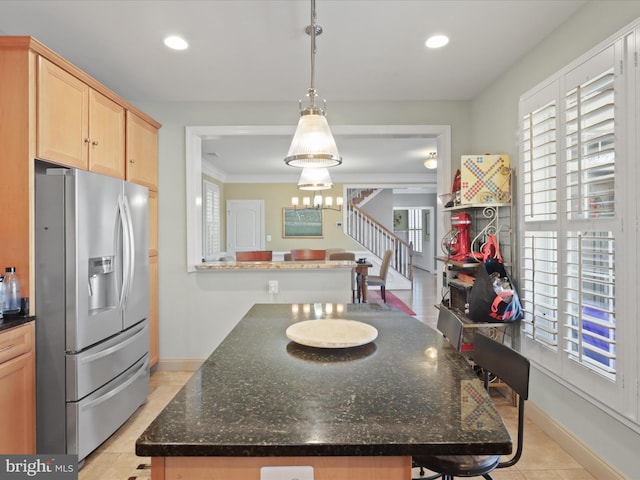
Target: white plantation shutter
(571, 225)
(590, 225)
(590, 322)
(539, 288)
(415, 228)
(590, 147)
(211, 220)
(539, 163)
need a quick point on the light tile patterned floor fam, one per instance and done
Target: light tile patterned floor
(542, 458)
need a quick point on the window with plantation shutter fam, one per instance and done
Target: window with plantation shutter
(211, 220)
(415, 228)
(571, 180)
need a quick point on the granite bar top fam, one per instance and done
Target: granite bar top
(13, 321)
(259, 394)
(277, 265)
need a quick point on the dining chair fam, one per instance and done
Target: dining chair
(355, 277)
(513, 369)
(254, 256)
(304, 254)
(331, 251)
(342, 256)
(380, 280)
(451, 327)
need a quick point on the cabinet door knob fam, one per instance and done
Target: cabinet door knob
(132, 160)
(87, 140)
(94, 143)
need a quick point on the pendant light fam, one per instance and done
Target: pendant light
(315, 179)
(313, 145)
(431, 162)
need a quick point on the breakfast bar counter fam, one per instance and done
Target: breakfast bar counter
(277, 265)
(261, 399)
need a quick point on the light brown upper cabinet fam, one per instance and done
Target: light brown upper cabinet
(142, 152)
(106, 131)
(76, 125)
(56, 112)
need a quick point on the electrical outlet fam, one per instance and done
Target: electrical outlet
(286, 473)
(273, 286)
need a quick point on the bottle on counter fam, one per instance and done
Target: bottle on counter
(11, 292)
(1, 295)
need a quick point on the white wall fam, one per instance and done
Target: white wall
(380, 207)
(594, 23)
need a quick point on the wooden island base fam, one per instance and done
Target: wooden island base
(248, 468)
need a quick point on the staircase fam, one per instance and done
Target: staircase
(374, 236)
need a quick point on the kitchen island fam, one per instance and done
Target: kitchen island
(354, 413)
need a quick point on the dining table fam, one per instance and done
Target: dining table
(350, 407)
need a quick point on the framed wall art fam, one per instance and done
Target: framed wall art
(400, 220)
(302, 223)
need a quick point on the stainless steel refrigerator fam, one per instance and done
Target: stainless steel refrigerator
(92, 307)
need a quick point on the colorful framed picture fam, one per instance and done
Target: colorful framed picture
(303, 223)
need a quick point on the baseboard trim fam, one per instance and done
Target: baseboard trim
(586, 457)
(179, 365)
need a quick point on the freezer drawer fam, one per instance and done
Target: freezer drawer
(92, 368)
(93, 419)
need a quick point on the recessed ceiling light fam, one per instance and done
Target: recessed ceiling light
(176, 43)
(437, 41)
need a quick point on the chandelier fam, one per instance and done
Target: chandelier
(316, 179)
(313, 145)
(317, 202)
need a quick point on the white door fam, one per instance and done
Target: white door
(245, 225)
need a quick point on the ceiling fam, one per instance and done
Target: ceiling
(257, 51)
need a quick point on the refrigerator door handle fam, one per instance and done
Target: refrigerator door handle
(131, 246)
(142, 370)
(126, 260)
(111, 350)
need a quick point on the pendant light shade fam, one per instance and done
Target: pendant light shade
(313, 145)
(315, 179)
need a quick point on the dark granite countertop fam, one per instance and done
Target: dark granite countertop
(9, 322)
(260, 394)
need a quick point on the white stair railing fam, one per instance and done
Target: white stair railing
(377, 238)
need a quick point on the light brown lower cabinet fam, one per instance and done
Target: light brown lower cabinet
(17, 390)
(241, 468)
